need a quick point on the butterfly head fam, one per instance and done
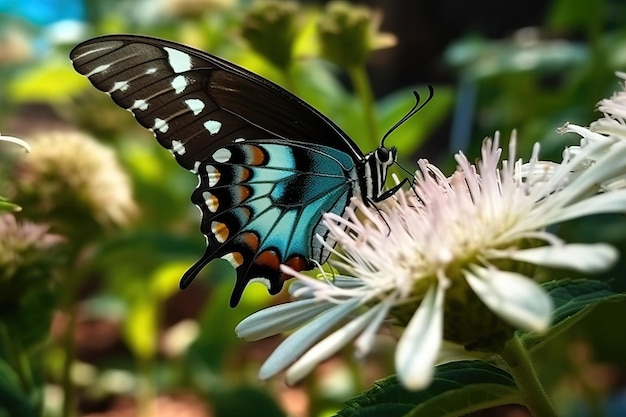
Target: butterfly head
(386, 156)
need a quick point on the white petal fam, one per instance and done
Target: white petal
(279, 318)
(364, 342)
(611, 202)
(303, 338)
(17, 141)
(329, 346)
(608, 166)
(419, 345)
(590, 258)
(514, 297)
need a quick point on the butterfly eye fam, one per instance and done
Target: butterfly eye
(382, 154)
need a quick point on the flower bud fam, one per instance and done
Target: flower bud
(270, 27)
(348, 33)
(28, 257)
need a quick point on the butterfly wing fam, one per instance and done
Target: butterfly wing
(269, 165)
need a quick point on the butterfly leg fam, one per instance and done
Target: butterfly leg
(388, 193)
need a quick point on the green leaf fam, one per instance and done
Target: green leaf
(28, 321)
(571, 15)
(13, 402)
(6, 206)
(458, 388)
(573, 300)
(51, 81)
(141, 326)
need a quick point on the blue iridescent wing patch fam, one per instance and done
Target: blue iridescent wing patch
(262, 204)
(269, 165)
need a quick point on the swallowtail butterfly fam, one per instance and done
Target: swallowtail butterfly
(269, 165)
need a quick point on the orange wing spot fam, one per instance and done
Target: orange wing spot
(268, 258)
(255, 155)
(242, 193)
(220, 230)
(251, 241)
(234, 258)
(245, 175)
(298, 263)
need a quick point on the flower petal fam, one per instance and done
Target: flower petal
(514, 297)
(305, 337)
(419, 345)
(365, 341)
(607, 167)
(612, 202)
(329, 346)
(17, 141)
(279, 318)
(582, 257)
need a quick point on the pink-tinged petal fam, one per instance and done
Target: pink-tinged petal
(514, 297)
(419, 345)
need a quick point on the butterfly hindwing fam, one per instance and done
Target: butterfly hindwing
(262, 204)
(268, 164)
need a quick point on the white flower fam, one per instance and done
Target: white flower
(435, 248)
(610, 129)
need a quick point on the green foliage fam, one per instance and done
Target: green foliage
(6, 205)
(13, 401)
(573, 300)
(458, 388)
(271, 27)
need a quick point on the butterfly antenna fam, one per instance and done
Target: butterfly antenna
(411, 174)
(416, 107)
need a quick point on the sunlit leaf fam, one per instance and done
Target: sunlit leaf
(140, 326)
(53, 80)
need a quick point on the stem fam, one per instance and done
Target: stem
(68, 304)
(521, 367)
(17, 358)
(363, 89)
(145, 392)
(70, 354)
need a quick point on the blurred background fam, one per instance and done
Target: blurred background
(92, 322)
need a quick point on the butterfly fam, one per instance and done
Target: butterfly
(269, 165)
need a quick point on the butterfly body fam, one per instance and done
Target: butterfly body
(268, 164)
